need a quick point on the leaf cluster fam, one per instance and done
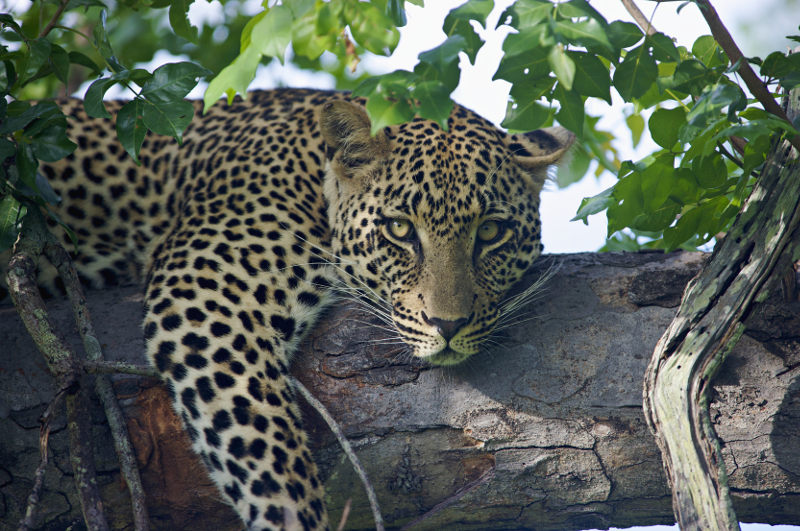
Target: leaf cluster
(32, 132)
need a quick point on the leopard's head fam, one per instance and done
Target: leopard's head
(435, 225)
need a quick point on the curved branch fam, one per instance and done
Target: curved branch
(735, 55)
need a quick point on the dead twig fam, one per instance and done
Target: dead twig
(348, 450)
(38, 477)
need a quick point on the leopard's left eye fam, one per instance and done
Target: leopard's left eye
(402, 229)
(490, 231)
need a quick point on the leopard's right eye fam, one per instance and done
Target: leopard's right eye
(401, 228)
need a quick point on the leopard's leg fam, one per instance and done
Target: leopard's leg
(221, 337)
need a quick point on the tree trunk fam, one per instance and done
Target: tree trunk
(762, 243)
(545, 432)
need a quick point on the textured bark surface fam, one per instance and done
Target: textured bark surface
(545, 432)
(762, 243)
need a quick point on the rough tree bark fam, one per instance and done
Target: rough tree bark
(761, 243)
(544, 432)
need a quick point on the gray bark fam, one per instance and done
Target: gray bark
(544, 432)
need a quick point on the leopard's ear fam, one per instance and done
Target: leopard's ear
(350, 147)
(537, 150)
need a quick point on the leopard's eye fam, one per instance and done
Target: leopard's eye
(489, 231)
(400, 228)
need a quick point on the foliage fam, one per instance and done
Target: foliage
(712, 138)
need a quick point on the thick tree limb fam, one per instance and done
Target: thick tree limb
(709, 321)
(545, 432)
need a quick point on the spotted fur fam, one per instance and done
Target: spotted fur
(270, 208)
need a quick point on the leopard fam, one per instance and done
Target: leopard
(270, 209)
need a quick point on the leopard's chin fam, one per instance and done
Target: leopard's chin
(447, 357)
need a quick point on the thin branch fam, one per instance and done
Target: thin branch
(757, 87)
(103, 387)
(348, 450)
(54, 19)
(60, 358)
(119, 367)
(463, 491)
(639, 17)
(38, 477)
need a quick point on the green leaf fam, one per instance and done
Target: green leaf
(396, 11)
(11, 212)
(7, 149)
(168, 118)
(173, 81)
(93, 99)
(713, 101)
(710, 171)
(36, 57)
(570, 113)
(103, 44)
(623, 34)
(589, 33)
(433, 100)
(273, 32)
(520, 61)
(384, 112)
(663, 48)
(685, 228)
(527, 13)
(575, 167)
(636, 74)
(563, 67)
(130, 128)
(59, 60)
(595, 204)
(233, 79)
(373, 29)
(526, 116)
(21, 114)
(664, 125)
(52, 144)
(441, 63)
(591, 76)
(45, 190)
(27, 166)
(79, 58)
(635, 123)
(706, 49)
(74, 4)
(179, 20)
(458, 22)
(691, 76)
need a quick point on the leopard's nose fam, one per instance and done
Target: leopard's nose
(446, 328)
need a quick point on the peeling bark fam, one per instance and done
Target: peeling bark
(545, 432)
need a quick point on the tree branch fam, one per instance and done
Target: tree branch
(130, 471)
(708, 323)
(639, 17)
(61, 360)
(731, 49)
